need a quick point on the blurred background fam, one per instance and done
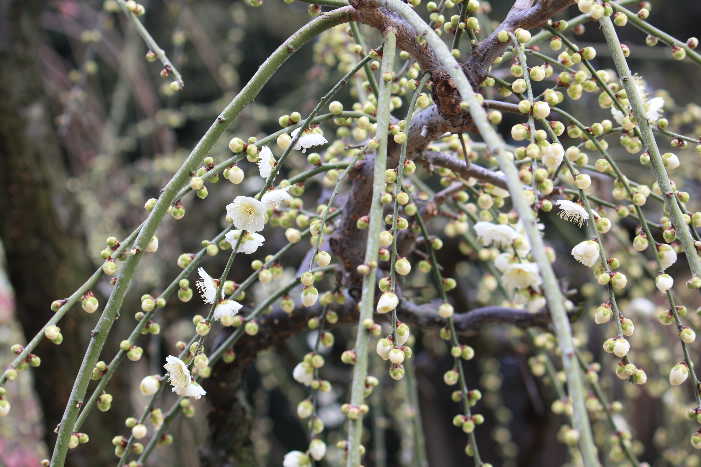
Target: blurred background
(89, 131)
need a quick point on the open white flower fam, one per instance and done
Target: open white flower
(503, 260)
(666, 255)
(180, 378)
(207, 286)
(309, 139)
(273, 199)
(586, 252)
(193, 390)
(572, 212)
(499, 234)
(521, 276)
(652, 107)
(226, 309)
(296, 459)
(266, 162)
(249, 244)
(247, 213)
(303, 373)
(553, 155)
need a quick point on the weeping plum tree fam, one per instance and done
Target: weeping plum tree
(418, 227)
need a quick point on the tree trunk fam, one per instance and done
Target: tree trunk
(41, 227)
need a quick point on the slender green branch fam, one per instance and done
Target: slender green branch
(552, 291)
(367, 301)
(438, 278)
(65, 308)
(358, 36)
(653, 31)
(682, 228)
(397, 189)
(411, 386)
(179, 180)
(152, 44)
(609, 417)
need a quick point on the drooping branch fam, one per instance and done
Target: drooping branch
(465, 93)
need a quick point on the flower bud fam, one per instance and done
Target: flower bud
(664, 282)
(678, 374)
(149, 385)
(445, 310)
(402, 266)
(388, 301)
(234, 174)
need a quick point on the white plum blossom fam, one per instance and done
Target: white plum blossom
(266, 162)
(207, 286)
(249, 244)
(388, 301)
(572, 212)
(666, 255)
(309, 139)
(273, 199)
(521, 276)
(247, 213)
(303, 373)
(180, 378)
(586, 252)
(499, 234)
(296, 459)
(502, 261)
(652, 107)
(226, 309)
(553, 155)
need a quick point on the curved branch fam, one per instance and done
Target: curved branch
(465, 171)
(278, 326)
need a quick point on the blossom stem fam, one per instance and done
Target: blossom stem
(647, 28)
(65, 308)
(544, 34)
(607, 410)
(217, 354)
(649, 139)
(411, 386)
(552, 291)
(152, 44)
(367, 301)
(168, 195)
(307, 121)
(438, 277)
(397, 189)
(358, 36)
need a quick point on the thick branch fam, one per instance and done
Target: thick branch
(465, 171)
(521, 15)
(279, 326)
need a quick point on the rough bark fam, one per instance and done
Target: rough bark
(40, 224)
